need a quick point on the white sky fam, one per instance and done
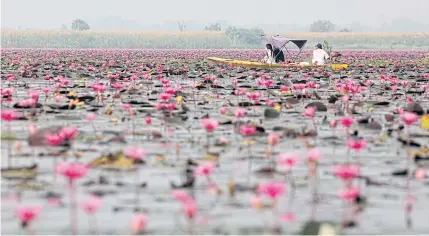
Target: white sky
(50, 14)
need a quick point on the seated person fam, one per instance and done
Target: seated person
(269, 57)
(280, 57)
(319, 55)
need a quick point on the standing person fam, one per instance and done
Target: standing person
(319, 55)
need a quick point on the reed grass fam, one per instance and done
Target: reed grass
(198, 39)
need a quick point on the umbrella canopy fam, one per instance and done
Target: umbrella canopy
(281, 41)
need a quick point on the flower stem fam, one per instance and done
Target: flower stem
(73, 210)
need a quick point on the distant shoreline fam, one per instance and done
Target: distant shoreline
(204, 39)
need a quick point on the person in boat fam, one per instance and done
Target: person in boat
(273, 55)
(279, 56)
(319, 55)
(269, 56)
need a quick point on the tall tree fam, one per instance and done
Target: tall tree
(79, 24)
(181, 26)
(322, 26)
(213, 27)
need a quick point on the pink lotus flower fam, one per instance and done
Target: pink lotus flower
(299, 86)
(164, 96)
(33, 94)
(26, 214)
(182, 196)
(27, 102)
(72, 170)
(189, 209)
(356, 144)
(247, 129)
(273, 138)
(288, 217)
(268, 82)
(54, 201)
(284, 88)
(333, 123)
(222, 110)
(170, 106)
(346, 172)
(209, 124)
(346, 121)
(345, 99)
(204, 168)
(269, 102)
(134, 152)
(68, 132)
(313, 154)
(58, 98)
(311, 84)
(148, 120)
(239, 112)
(31, 129)
(8, 115)
(349, 193)
(288, 159)
(409, 117)
(398, 110)
(90, 204)
(90, 116)
(159, 106)
(309, 111)
(255, 202)
(126, 106)
(253, 95)
(138, 222)
(271, 189)
(54, 139)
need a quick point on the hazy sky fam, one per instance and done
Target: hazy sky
(50, 14)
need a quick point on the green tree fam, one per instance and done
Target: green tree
(79, 24)
(345, 30)
(213, 27)
(243, 35)
(322, 26)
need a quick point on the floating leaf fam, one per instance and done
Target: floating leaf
(207, 98)
(384, 137)
(247, 142)
(211, 156)
(424, 123)
(108, 111)
(160, 158)
(277, 107)
(79, 154)
(20, 172)
(116, 161)
(178, 99)
(71, 94)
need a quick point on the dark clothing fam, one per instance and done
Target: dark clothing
(279, 56)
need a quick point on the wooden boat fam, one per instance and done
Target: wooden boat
(279, 43)
(253, 64)
(28, 172)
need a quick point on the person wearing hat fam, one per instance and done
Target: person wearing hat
(319, 55)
